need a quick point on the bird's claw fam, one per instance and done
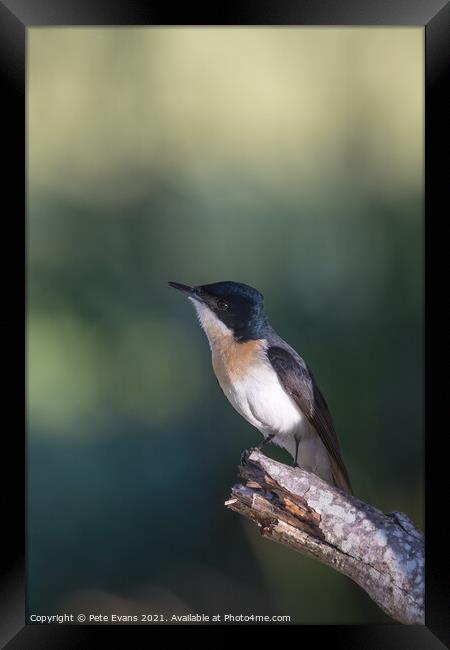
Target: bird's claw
(247, 453)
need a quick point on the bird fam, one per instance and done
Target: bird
(266, 380)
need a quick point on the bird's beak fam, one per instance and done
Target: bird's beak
(191, 292)
(182, 287)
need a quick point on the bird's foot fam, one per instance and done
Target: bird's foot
(295, 465)
(247, 453)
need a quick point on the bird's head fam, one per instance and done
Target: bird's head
(226, 308)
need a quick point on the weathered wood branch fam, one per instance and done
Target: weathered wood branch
(382, 553)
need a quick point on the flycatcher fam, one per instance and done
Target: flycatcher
(266, 380)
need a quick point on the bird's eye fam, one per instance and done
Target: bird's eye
(222, 304)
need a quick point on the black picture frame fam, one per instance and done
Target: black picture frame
(15, 17)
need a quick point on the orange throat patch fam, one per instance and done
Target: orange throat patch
(232, 360)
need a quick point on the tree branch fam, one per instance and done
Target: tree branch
(382, 553)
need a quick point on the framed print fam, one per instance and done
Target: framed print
(227, 225)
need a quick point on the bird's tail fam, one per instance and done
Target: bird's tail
(340, 477)
(311, 458)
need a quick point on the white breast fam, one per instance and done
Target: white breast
(259, 397)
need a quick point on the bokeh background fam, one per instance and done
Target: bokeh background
(287, 158)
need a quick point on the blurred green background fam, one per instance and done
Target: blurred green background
(287, 158)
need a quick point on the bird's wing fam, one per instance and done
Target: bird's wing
(298, 381)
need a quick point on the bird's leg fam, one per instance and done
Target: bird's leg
(297, 443)
(246, 453)
(265, 441)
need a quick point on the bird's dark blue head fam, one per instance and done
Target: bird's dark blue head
(239, 306)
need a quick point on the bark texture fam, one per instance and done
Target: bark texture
(382, 553)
